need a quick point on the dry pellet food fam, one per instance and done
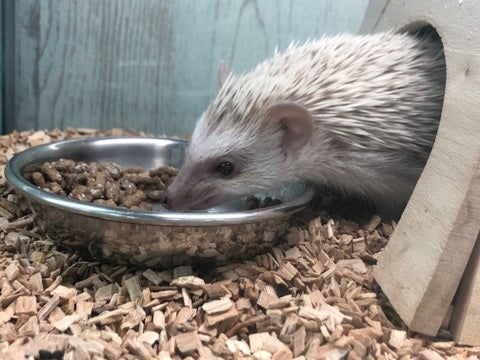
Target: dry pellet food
(110, 184)
(104, 183)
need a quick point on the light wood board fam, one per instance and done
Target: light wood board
(421, 267)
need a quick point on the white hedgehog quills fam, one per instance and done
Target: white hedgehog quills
(355, 112)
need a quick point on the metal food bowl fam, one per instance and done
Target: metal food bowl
(150, 238)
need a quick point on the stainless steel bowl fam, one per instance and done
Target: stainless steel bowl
(150, 238)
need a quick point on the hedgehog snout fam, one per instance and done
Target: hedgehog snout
(171, 202)
(189, 191)
(178, 193)
(180, 200)
(168, 200)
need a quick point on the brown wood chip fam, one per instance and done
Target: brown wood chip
(311, 297)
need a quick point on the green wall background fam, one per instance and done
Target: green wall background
(148, 65)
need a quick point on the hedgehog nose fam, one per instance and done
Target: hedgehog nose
(170, 202)
(168, 199)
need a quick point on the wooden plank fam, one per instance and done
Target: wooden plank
(149, 65)
(422, 265)
(465, 322)
(8, 68)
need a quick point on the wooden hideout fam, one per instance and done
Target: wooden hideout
(430, 269)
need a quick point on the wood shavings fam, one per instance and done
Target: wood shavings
(217, 306)
(311, 297)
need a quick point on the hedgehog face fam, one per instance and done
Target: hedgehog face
(230, 159)
(206, 181)
(216, 170)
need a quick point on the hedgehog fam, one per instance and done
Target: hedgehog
(358, 113)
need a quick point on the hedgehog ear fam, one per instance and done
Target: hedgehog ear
(223, 72)
(297, 123)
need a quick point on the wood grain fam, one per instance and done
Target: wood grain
(148, 64)
(8, 62)
(424, 261)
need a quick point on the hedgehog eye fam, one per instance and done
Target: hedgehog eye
(224, 168)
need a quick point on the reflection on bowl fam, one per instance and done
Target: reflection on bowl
(150, 238)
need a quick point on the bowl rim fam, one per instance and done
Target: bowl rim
(13, 174)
